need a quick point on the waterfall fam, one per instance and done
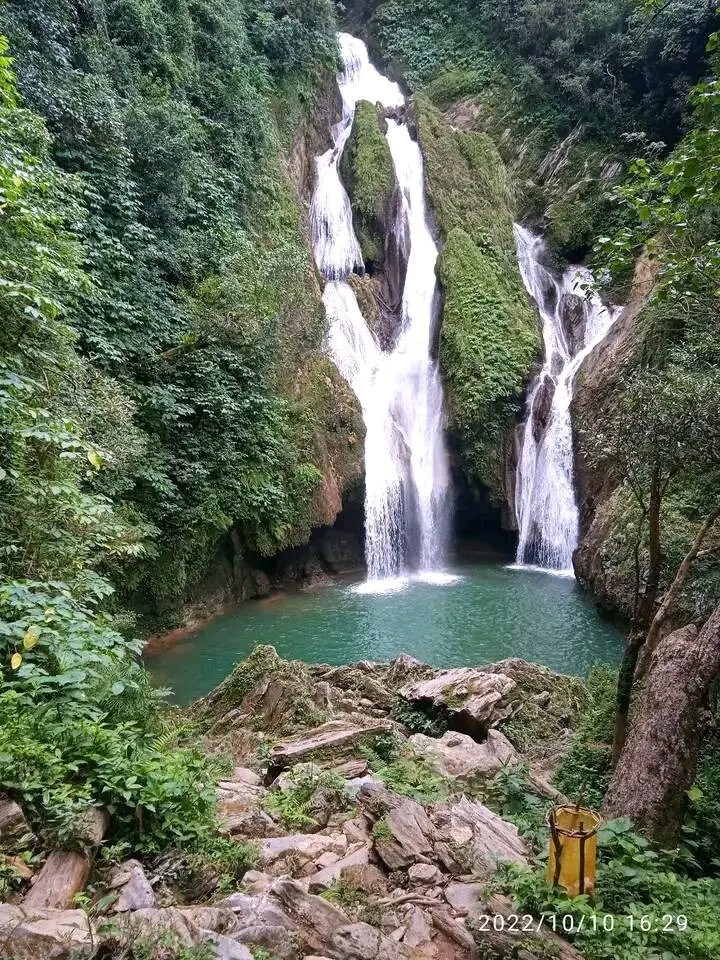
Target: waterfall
(574, 321)
(399, 390)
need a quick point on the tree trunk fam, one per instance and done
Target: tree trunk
(624, 690)
(659, 761)
(644, 614)
(652, 584)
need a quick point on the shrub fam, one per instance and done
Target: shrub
(59, 764)
(293, 805)
(583, 774)
(653, 910)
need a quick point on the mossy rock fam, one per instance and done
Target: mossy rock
(488, 343)
(552, 703)
(369, 178)
(490, 336)
(264, 692)
(467, 181)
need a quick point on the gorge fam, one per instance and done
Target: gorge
(347, 527)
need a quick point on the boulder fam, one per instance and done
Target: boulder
(182, 927)
(260, 922)
(296, 854)
(252, 824)
(464, 897)
(187, 926)
(31, 934)
(15, 832)
(326, 930)
(475, 701)
(65, 872)
(454, 930)
(274, 695)
(471, 838)
(364, 877)
(424, 874)
(336, 739)
(135, 892)
(225, 948)
(457, 755)
(417, 929)
(315, 919)
(360, 941)
(403, 833)
(404, 668)
(329, 875)
(255, 881)
(63, 875)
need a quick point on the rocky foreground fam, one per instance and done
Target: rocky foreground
(368, 841)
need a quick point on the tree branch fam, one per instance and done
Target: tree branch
(677, 584)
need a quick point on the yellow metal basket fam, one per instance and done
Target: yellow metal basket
(573, 848)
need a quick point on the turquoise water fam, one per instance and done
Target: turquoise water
(488, 612)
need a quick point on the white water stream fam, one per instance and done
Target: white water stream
(545, 501)
(400, 391)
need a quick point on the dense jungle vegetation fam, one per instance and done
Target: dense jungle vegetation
(160, 374)
(152, 264)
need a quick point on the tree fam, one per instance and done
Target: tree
(659, 761)
(665, 424)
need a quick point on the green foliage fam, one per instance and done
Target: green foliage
(293, 805)
(432, 723)
(583, 773)
(59, 763)
(260, 953)
(467, 182)
(551, 704)
(353, 901)
(227, 858)
(369, 177)
(196, 274)
(164, 945)
(408, 775)
(701, 829)
(634, 881)
(510, 794)
(613, 64)
(489, 335)
(568, 90)
(381, 830)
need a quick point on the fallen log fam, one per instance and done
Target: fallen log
(65, 872)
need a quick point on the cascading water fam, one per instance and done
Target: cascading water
(574, 321)
(400, 391)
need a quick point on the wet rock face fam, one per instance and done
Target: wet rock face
(572, 314)
(598, 384)
(542, 405)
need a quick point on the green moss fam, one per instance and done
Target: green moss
(467, 181)
(489, 333)
(292, 678)
(370, 178)
(539, 726)
(293, 806)
(488, 342)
